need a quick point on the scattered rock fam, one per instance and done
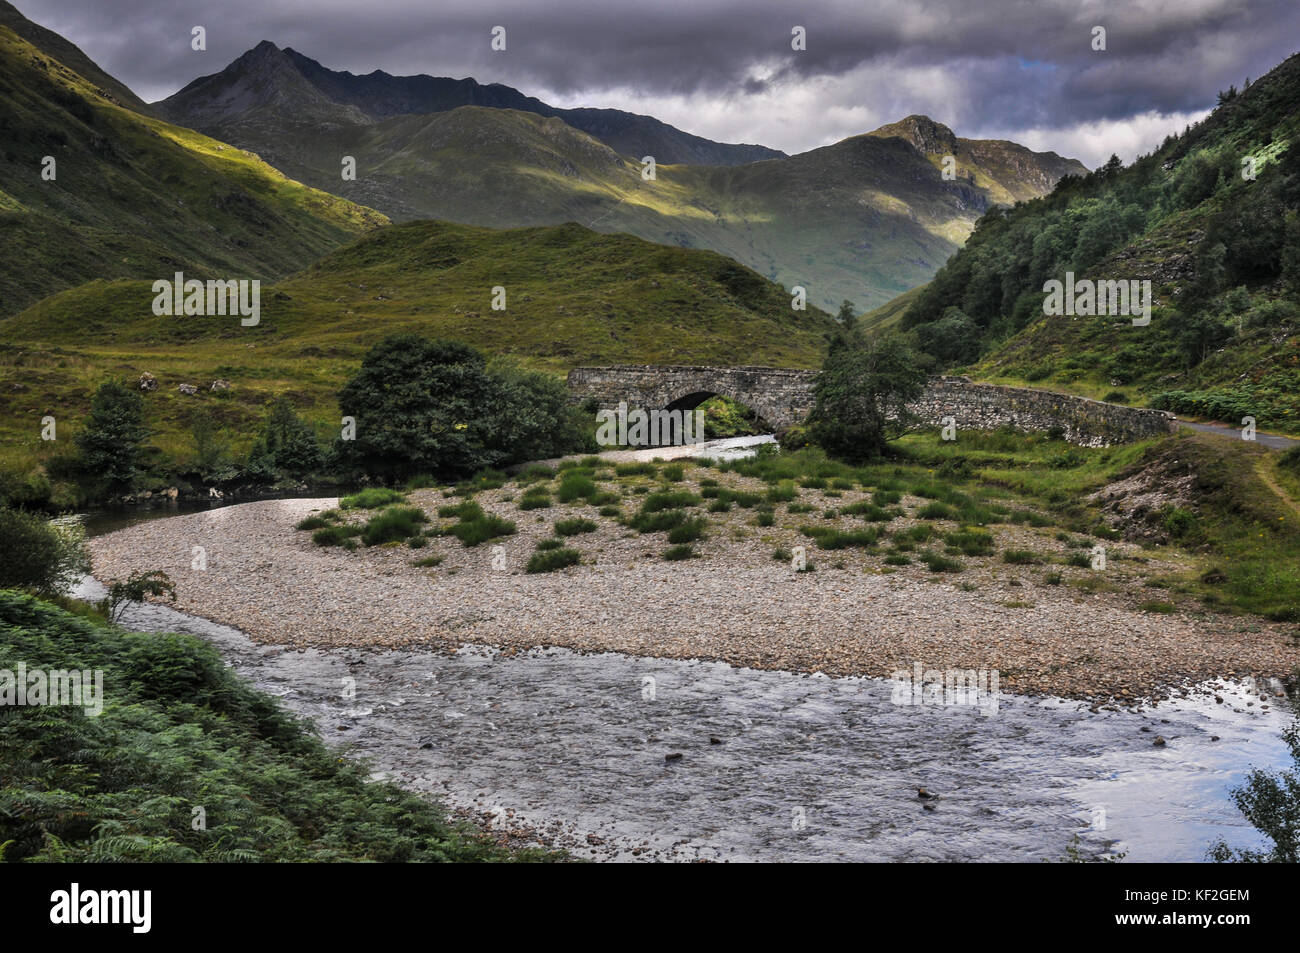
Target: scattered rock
(189, 389)
(220, 384)
(147, 382)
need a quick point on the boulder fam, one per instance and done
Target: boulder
(147, 382)
(188, 389)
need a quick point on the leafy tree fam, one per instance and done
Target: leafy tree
(953, 339)
(861, 396)
(1271, 802)
(44, 557)
(286, 446)
(110, 444)
(847, 316)
(433, 407)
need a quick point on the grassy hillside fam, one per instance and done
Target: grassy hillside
(573, 297)
(134, 196)
(863, 219)
(1222, 254)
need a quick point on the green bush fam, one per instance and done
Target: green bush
(688, 532)
(673, 473)
(677, 553)
(576, 486)
(336, 535)
(970, 542)
(536, 498)
(783, 492)
(393, 524)
(635, 469)
(828, 537)
(36, 554)
(574, 526)
(371, 498)
(1020, 557)
(668, 500)
(936, 511)
(477, 527)
(549, 560)
(938, 563)
(657, 522)
(552, 543)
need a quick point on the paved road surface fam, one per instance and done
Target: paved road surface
(1224, 430)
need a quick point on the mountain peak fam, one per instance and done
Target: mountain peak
(923, 133)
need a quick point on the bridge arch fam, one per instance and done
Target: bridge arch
(783, 398)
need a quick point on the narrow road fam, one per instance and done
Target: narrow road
(1234, 433)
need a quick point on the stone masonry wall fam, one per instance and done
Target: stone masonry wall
(783, 398)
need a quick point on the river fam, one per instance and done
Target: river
(625, 758)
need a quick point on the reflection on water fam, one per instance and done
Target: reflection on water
(99, 522)
(773, 765)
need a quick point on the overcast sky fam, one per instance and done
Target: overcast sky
(1014, 69)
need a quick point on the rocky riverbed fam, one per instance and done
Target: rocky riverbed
(734, 604)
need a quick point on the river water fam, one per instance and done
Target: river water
(624, 758)
(772, 766)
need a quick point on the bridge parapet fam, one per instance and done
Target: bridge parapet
(783, 398)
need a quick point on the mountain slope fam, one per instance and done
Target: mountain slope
(573, 297)
(216, 102)
(56, 47)
(132, 195)
(1222, 253)
(1007, 171)
(864, 219)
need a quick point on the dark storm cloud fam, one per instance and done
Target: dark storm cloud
(1006, 64)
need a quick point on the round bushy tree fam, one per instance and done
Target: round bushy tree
(434, 407)
(861, 395)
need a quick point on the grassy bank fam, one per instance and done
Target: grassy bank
(182, 737)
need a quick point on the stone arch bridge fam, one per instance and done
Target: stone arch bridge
(782, 398)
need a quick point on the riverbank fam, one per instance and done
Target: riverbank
(734, 603)
(563, 750)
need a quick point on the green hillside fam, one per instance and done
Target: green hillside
(573, 297)
(1222, 254)
(134, 196)
(864, 219)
